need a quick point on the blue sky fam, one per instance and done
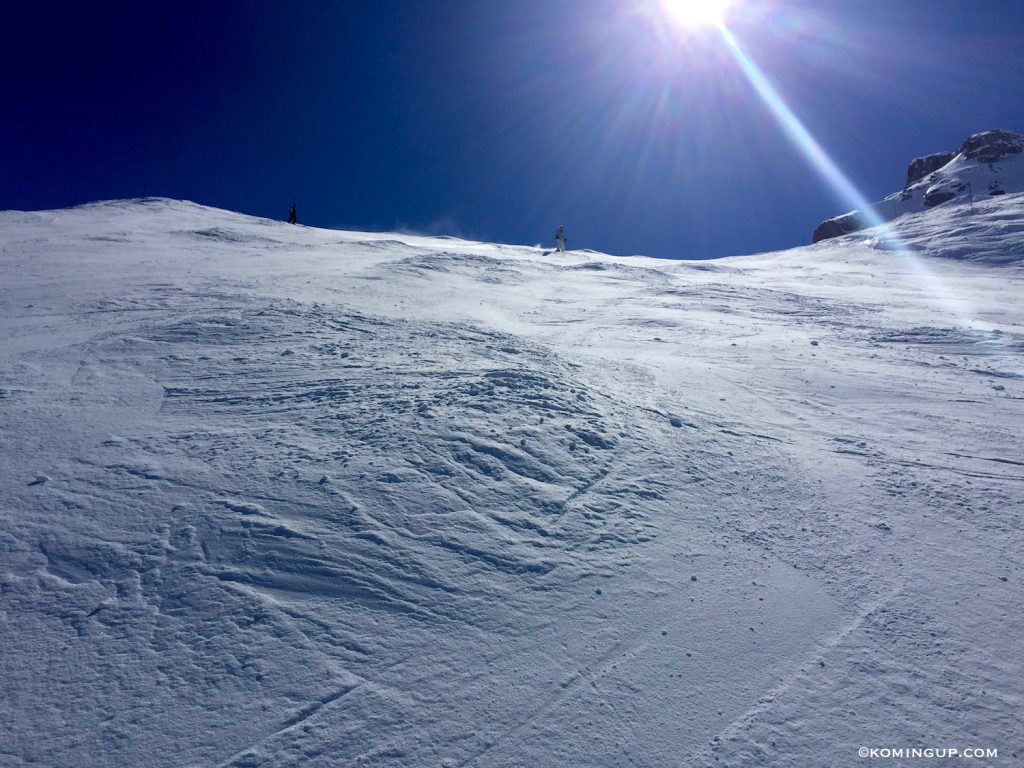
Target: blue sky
(498, 120)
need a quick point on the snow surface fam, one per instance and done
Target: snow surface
(281, 496)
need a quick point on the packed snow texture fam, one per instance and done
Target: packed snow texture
(282, 496)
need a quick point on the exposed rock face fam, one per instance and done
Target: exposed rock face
(991, 161)
(990, 146)
(837, 227)
(922, 166)
(937, 196)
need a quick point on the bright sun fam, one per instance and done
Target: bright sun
(694, 14)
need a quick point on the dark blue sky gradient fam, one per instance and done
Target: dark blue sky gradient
(496, 120)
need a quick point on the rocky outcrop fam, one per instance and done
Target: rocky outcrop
(991, 146)
(988, 164)
(940, 194)
(922, 166)
(837, 227)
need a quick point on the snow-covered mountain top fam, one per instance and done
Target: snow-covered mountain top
(988, 164)
(284, 496)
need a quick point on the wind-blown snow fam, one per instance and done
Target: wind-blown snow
(280, 496)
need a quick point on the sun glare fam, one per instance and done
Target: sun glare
(696, 14)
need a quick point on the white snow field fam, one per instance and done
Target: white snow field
(282, 496)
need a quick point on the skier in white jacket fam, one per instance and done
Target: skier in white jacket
(560, 239)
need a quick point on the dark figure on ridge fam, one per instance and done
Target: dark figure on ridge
(560, 239)
(293, 215)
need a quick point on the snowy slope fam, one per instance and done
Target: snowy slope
(280, 496)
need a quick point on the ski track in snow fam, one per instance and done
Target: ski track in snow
(278, 496)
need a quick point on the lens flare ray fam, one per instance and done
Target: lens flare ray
(819, 159)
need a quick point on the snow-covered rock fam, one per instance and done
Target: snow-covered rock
(838, 226)
(990, 163)
(922, 166)
(992, 146)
